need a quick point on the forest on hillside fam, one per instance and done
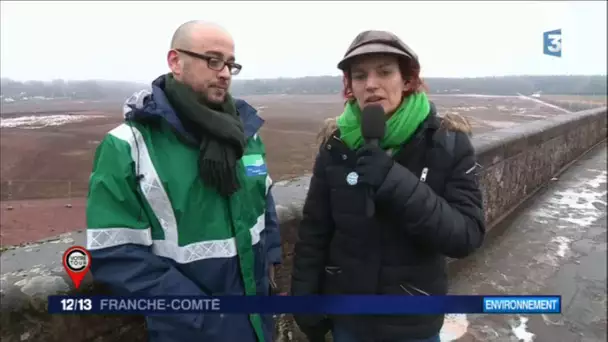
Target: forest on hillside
(12, 90)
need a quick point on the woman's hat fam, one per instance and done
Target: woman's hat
(373, 41)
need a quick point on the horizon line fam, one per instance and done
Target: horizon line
(311, 76)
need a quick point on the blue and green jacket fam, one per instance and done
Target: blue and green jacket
(154, 228)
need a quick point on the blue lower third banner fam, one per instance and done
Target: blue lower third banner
(337, 305)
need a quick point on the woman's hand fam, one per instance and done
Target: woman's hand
(373, 164)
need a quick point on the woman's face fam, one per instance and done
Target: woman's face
(376, 79)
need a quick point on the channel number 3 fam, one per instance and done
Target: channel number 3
(555, 42)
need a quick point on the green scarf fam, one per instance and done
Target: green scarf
(413, 110)
(220, 131)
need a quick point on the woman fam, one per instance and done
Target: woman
(428, 204)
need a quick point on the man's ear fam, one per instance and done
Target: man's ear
(174, 61)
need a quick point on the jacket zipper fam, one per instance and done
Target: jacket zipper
(425, 172)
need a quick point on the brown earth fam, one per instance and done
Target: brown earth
(44, 169)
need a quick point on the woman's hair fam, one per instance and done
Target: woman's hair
(410, 72)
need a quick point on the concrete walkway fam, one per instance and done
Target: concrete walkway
(556, 246)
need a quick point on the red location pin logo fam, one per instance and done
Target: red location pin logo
(76, 261)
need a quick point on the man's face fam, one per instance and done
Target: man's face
(199, 73)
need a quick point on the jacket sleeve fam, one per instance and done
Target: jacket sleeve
(453, 224)
(314, 234)
(119, 236)
(271, 232)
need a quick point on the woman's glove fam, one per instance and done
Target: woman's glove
(373, 164)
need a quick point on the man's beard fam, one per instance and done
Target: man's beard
(208, 94)
(214, 95)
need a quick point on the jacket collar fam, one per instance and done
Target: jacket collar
(149, 105)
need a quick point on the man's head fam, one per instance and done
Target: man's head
(202, 56)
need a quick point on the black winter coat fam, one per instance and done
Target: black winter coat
(429, 207)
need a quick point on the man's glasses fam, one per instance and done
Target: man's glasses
(215, 63)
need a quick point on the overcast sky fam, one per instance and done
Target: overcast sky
(123, 40)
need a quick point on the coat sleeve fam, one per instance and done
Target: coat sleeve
(453, 224)
(314, 234)
(119, 236)
(271, 232)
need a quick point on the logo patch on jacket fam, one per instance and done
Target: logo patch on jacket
(254, 165)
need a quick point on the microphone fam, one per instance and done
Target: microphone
(373, 126)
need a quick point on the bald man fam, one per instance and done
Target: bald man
(180, 197)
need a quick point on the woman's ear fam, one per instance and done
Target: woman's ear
(347, 92)
(408, 86)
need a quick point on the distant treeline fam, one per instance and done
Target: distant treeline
(507, 85)
(81, 90)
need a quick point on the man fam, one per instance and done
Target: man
(179, 200)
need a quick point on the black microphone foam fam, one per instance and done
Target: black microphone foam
(373, 123)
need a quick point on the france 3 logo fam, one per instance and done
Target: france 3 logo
(552, 43)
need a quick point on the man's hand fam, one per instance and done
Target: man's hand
(271, 276)
(274, 288)
(373, 164)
